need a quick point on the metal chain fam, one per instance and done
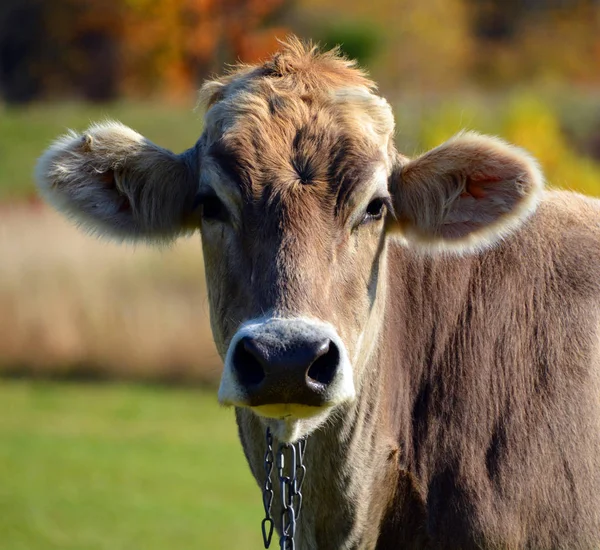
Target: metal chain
(287, 485)
(290, 459)
(267, 523)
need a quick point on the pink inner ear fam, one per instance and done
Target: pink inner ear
(477, 184)
(484, 200)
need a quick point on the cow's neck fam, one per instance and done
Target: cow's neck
(350, 473)
(358, 465)
(351, 467)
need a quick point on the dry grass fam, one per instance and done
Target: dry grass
(73, 305)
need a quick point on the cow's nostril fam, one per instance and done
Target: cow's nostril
(248, 368)
(290, 370)
(324, 367)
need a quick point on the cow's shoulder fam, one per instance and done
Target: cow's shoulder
(563, 240)
(574, 208)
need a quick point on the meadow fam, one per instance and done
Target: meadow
(122, 467)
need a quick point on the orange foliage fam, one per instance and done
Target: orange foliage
(168, 45)
(100, 49)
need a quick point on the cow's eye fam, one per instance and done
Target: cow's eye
(375, 210)
(213, 209)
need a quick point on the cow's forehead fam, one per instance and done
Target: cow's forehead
(276, 109)
(262, 137)
(302, 124)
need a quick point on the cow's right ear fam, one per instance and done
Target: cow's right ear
(464, 195)
(114, 182)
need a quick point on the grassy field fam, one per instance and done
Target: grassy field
(111, 467)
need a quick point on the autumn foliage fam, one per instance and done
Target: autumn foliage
(168, 46)
(100, 49)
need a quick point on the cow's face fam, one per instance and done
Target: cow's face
(295, 189)
(294, 196)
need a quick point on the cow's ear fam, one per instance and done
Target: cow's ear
(465, 194)
(114, 182)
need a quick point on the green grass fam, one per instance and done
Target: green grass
(26, 132)
(114, 467)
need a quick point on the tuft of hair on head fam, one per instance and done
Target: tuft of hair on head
(299, 66)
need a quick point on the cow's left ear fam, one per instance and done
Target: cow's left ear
(465, 194)
(114, 182)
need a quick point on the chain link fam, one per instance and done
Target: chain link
(267, 523)
(287, 485)
(291, 472)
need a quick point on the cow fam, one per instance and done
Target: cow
(430, 323)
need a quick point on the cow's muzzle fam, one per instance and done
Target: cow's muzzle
(286, 368)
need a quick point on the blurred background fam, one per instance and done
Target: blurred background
(110, 435)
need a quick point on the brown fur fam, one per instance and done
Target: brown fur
(487, 384)
(477, 418)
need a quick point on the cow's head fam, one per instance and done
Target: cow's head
(295, 186)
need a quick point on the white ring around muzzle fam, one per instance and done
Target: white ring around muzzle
(340, 389)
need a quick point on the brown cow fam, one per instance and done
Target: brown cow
(431, 323)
